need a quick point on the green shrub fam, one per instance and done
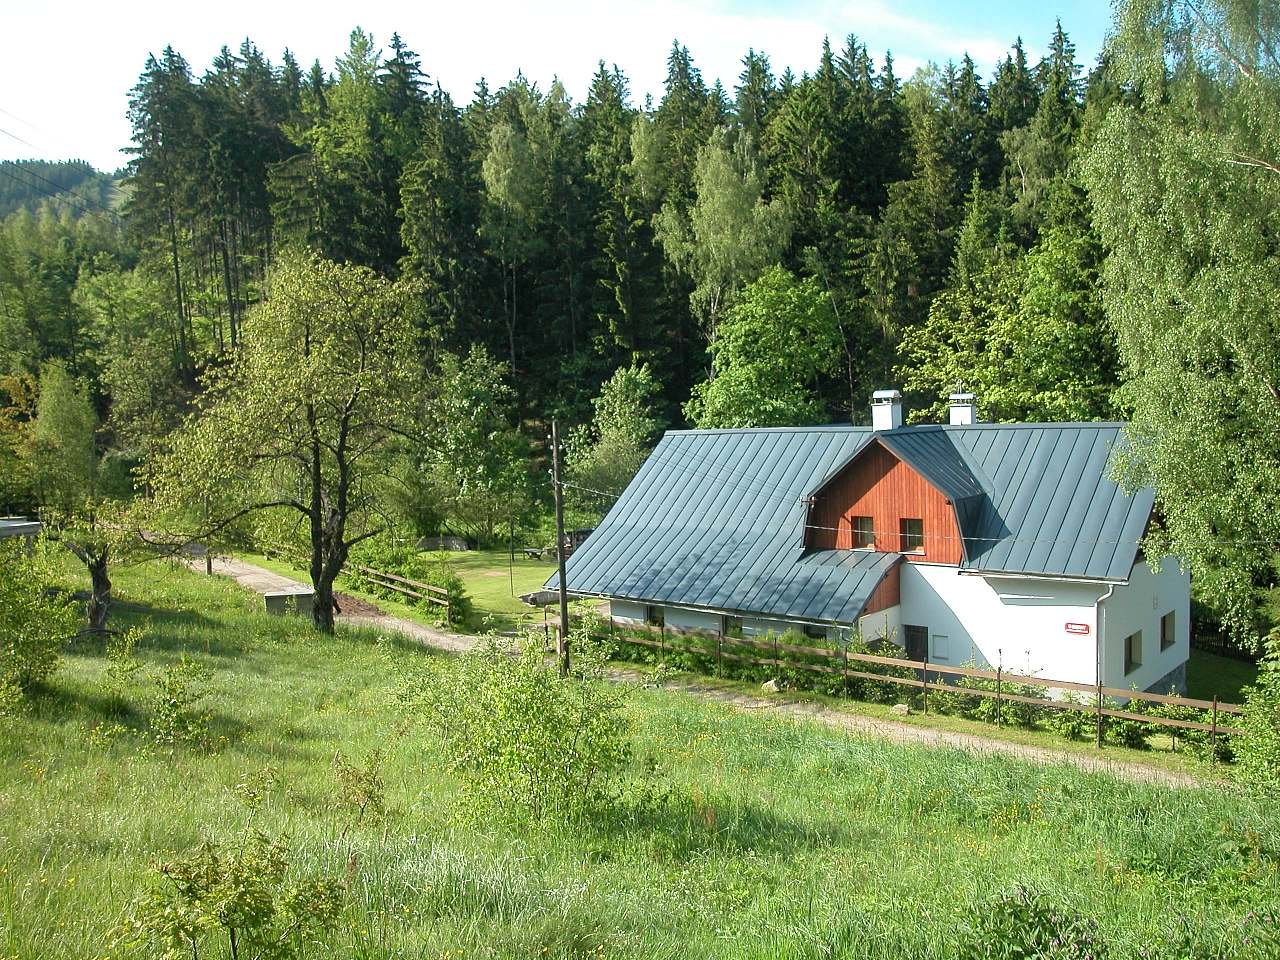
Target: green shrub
(1258, 748)
(175, 718)
(1073, 724)
(405, 560)
(522, 738)
(1025, 924)
(1122, 731)
(240, 893)
(35, 620)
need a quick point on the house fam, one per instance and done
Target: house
(19, 527)
(1003, 544)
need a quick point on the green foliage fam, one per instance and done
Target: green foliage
(469, 475)
(1025, 924)
(1181, 180)
(37, 619)
(730, 233)
(243, 893)
(605, 455)
(303, 419)
(405, 560)
(362, 792)
(175, 715)
(522, 738)
(1258, 748)
(1025, 333)
(771, 348)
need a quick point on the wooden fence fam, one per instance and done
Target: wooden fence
(926, 676)
(413, 589)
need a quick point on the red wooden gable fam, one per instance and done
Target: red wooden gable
(879, 485)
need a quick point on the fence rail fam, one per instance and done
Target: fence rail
(928, 676)
(414, 589)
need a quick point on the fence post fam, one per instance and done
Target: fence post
(844, 664)
(926, 680)
(775, 650)
(719, 643)
(662, 639)
(1213, 734)
(999, 681)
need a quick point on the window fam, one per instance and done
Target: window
(815, 631)
(1132, 652)
(941, 647)
(653, 616)
(911, 535)
(864, 534)
(732, 627)
(1167, 634)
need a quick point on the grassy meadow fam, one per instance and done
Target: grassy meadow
(757, 837)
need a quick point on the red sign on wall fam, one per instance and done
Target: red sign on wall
(1081, 628)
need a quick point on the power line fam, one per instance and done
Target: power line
(58, 194)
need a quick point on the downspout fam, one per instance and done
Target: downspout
(1100, 619)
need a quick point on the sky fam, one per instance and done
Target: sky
(67, 67)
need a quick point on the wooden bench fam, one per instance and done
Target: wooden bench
(534, 553)
(281, 602)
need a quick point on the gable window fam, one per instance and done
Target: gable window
(1132, 652)
(654, 616)
(1166, 631)
(911, 535)
(864, 534)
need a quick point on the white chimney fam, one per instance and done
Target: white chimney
(886, 409)
(963, 408)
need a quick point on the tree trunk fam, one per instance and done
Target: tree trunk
(99, 605)
(323, 604)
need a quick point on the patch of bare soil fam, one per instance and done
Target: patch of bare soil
(355, 607)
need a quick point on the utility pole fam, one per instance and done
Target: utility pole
(562, 639)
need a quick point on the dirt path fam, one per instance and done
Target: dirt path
(261, 580)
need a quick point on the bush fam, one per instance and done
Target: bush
(241, 893)
(404, 560)
(35, 620)
(174, 717)
(520, 736)
(1024, 924)
(1258, 748)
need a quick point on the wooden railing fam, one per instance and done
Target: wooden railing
(927, 677)
(413, 589)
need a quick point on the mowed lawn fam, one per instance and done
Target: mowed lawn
(759, 837)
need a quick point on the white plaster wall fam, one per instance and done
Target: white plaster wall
(627, 610)
(883, 625)
(1139, 605)
(683, 619)
(1017, 622)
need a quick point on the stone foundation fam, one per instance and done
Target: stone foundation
(1175, 679)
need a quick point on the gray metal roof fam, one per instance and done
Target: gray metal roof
(715, 518)
(19, 527)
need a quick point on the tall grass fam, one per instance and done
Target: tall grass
(760, 837)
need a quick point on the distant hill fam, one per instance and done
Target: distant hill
(68, 184)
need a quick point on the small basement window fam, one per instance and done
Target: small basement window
(864, 534)
(941, 647)
(911, 535)
(815, 631)
(654, 616)
(1167, 634)
(732, 627)
(1132, 652)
